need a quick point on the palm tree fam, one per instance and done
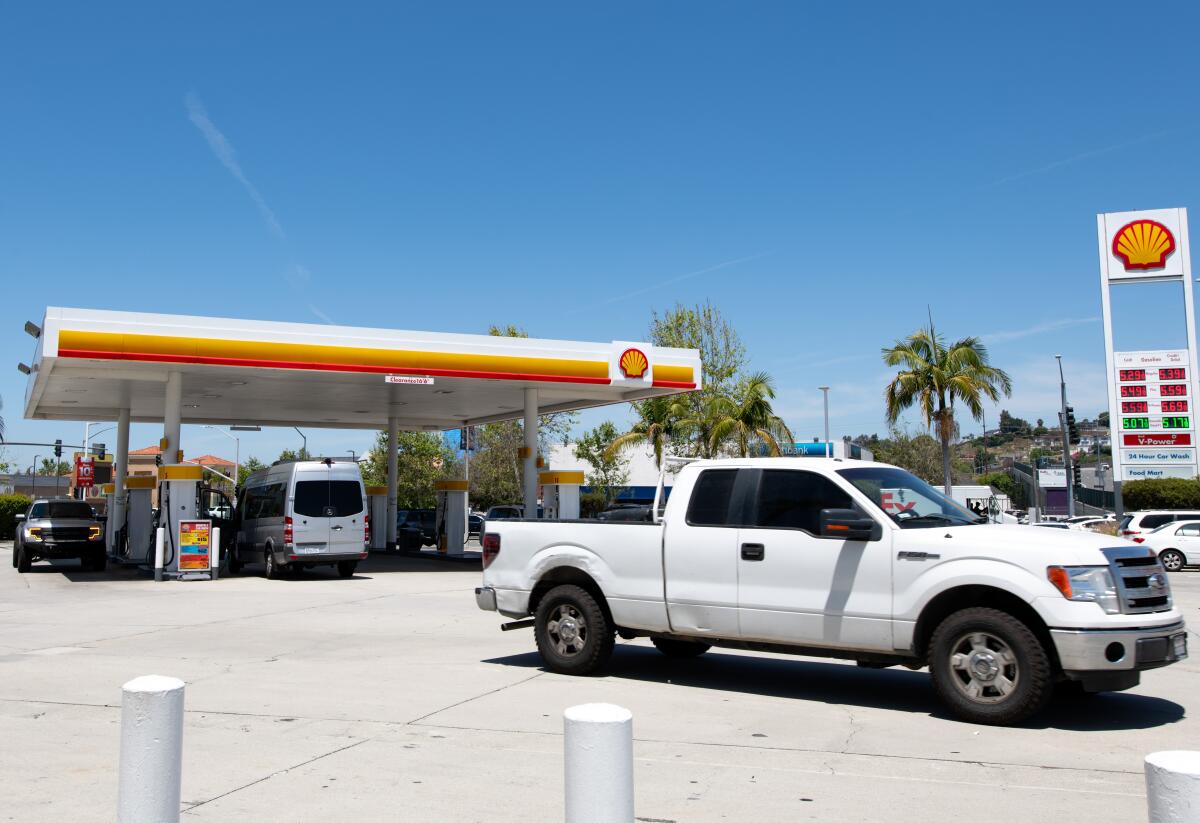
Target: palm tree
(656, 426)
(934, 377)
(747, 418)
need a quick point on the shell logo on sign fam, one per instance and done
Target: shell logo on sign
(633, 363)
(1143, 244)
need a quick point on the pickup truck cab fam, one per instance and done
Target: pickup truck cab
(844, 559)
(59, 527)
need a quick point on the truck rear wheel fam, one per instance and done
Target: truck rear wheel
(679, 649)
(988, 667)
(573, 632)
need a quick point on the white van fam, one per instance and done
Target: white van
(300, 514)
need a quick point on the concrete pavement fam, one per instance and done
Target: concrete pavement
(390, 696)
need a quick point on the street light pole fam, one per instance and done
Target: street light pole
(237, 454)
(37, 457)
(825, 398)
(1066, 439)
(304, 445)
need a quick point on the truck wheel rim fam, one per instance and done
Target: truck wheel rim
(568, 630)
(1172, 562)
(984, 668)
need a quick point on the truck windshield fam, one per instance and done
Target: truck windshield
(62, 508)
(909, 500)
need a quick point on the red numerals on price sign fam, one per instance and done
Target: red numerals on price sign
(1133, 391)
(1172, 374)
(1132, 375)
(1134, 407)
(1173, 390)
(1172, 406)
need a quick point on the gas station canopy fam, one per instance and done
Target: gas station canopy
(91, 365)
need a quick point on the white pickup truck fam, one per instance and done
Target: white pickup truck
(802, 557)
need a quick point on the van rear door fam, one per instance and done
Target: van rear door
(329, 513)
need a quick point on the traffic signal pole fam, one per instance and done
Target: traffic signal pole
(1066, 440)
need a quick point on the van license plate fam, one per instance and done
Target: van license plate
(308, 550)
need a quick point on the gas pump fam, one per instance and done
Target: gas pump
(560, 494)
(188, 545)
(377, 508)
(451, 516)
(135, 541)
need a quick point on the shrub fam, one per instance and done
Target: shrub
(10, 506)
(1168, 493)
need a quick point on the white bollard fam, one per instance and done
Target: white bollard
(214, 554)
(160, 539)
(151, 750)
(598, 743)
(1173, 786)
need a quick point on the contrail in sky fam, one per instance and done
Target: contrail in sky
(1040, 328)
(1087, 155)
(672, 280)
(228, 157)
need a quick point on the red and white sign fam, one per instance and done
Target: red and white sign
(1157, 439)
(407, 380)
(85, 473)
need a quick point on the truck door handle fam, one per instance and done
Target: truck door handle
(337, 528)
(753, 551)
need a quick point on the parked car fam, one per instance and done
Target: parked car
(626, 513)
(59, 527)
(301, 514)
(785, 555)
(474, 525)
(509, 511)
(419, 527)
(1138, 522)
(1177, 544)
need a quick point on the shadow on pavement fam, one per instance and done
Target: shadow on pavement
(842, 684)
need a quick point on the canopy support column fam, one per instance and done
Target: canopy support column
(172, 417)
(531, 448)
(120, 470)
(393, 479)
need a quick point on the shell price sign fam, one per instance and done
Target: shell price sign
(195, 545)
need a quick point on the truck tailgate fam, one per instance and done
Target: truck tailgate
(625, 560)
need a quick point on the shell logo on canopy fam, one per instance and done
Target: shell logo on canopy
(1143, 244)
(633, 363)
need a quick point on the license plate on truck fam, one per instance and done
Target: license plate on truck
(309, 549)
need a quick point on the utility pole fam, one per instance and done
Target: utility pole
(304, 441)
(1066, 440)
(828, 445)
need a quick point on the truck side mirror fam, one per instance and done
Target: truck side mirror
(849, 524)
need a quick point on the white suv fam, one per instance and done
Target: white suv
(1140, 522)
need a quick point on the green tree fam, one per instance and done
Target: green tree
(51, 468)
(295, 454)
(919, 454)
(609, 470)
(934, 377)
(1102, 419)
(248, 467)
(422, 457)
(1006, 485)
(747, 420)
(655, 426)
(496, 470)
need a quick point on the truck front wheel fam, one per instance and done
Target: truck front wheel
(573, 632)
(988, 667)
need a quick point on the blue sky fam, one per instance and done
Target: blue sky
(821, 173)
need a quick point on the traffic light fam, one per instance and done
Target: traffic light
(1072, 429)
(98, 450)
(1076, 475)
(58, 448)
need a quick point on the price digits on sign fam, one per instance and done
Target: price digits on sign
(1133, 391)
(1135, 422)
(1172, 374)
(1172, 406)
(1132, 375)
(1141, 406)
(1176, 423)
(1173, 390)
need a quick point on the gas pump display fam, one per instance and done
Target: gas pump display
(195, 544)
